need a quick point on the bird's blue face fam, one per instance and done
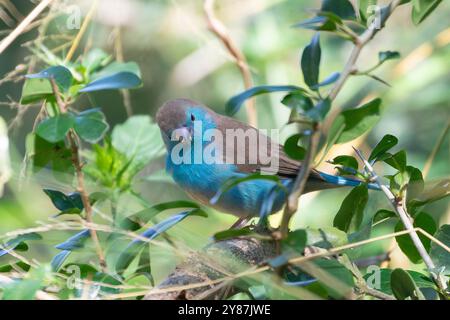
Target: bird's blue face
(183, 122)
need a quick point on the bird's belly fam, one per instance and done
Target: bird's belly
(202, 182)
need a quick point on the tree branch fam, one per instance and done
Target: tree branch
(406, 220)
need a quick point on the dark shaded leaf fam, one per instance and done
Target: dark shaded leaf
(310, 62)
(397, 161)
(386, 143)
(70, 203)
(387, 55)
(295, 241)
(292, 149)
(342, 8)
(298, 101)
(403, 286)
(346, 161)
(423, 221)
(383, 214)
(350, 214)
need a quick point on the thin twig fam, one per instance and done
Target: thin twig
(6, 42)
(219, 29)
(406, 220)
(74, 146)
(82, 31)
(120, 57)
(437, 146)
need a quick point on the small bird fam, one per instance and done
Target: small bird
(183, 122)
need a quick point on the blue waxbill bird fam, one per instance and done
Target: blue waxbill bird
(202, 181)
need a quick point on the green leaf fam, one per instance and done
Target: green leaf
(421, 280)
(319, 112)
(388, 142)
(118, 67)
(55, 129)
(61, 75)
(43, 152)
(351, 212)
(318, 23)
(70, 203)
(292, 149)
(121, 80)
(95, 59)
(149, 213)
(338, 272)
(295, 241)
(91, 125)
(326, 237)
(397, 161)
(35, 90)
(17, 242)
(424, 221)
(342, 8)
(439, 255)
(139, 139)
(360, 120)
(403, 286)
(298, 101)
(364, 6)
(387, 55)
(346, 161)
(25, 289)
(383, 214)
(232, 233)
(422, 9)
(235, 103)
(310, 62)
(59, 259)
(332, 78)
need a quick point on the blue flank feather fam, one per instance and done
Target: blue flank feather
(341, 181)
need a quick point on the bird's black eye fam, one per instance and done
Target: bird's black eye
(192, 117)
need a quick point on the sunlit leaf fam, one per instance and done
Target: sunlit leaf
(386, 143)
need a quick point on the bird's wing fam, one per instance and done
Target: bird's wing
(267, 150)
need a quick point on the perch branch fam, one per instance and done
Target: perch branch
(406, 220)
(6, 42)
(219, 29)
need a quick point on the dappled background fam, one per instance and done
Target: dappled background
(180, 57)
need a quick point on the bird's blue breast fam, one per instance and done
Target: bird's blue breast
(203, 181)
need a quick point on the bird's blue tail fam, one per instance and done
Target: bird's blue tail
(341, 181)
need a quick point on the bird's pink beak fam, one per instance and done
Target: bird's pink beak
(182, 134)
